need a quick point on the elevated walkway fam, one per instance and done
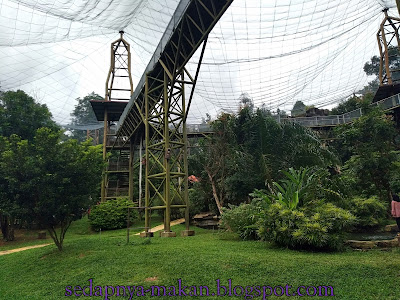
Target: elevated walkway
(386, 104)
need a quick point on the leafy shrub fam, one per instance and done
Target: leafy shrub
(370, 212)
(111, 214)
(196, 201)
(320, 228)
(340, 187)
(242, 220)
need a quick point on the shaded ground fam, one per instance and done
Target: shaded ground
(22, 236)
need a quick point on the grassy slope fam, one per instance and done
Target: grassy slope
(200, 260)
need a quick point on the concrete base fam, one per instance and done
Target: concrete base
(146, 234)
(187, 233)
(167, 234)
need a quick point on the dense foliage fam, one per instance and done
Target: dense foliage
(370, 212)
(247, 151)
(292, 214)
(112, 214)
(369, 153)
(47, 181)
(242, 220)
(320, 227)
(43, 179)
(299, 109)
(21, 115)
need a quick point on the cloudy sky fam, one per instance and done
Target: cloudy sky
(276, 51)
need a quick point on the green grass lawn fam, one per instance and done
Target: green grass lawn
(45, 273)
(79, 229)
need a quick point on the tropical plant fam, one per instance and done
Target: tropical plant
(294, 188)
(297, 188)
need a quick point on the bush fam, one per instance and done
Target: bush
(370, 212)
(242, 220)
(111, 214)
(199, 201)
(321, 228)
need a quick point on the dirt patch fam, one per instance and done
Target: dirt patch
(155, 278)
(22, 249)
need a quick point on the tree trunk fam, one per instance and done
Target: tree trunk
(53, 234)
(59, 239)
(7, 228)
(214, 191)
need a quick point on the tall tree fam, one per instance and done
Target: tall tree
(83, 115)
(20, 117)
(69, 176)
(16, 169)
(212, 159)
(48, 180)
(246, 102)
(20, 114)
(371, 152)
(299, 109)
(371, 68)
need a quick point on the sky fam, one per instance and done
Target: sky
(277, 51)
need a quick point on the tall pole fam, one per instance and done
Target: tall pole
(140, 172)
(104, 181)
(167, 155)
(146, 182)
(130, 166)
(185, 154)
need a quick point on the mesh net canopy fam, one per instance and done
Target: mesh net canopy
(278, 52)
